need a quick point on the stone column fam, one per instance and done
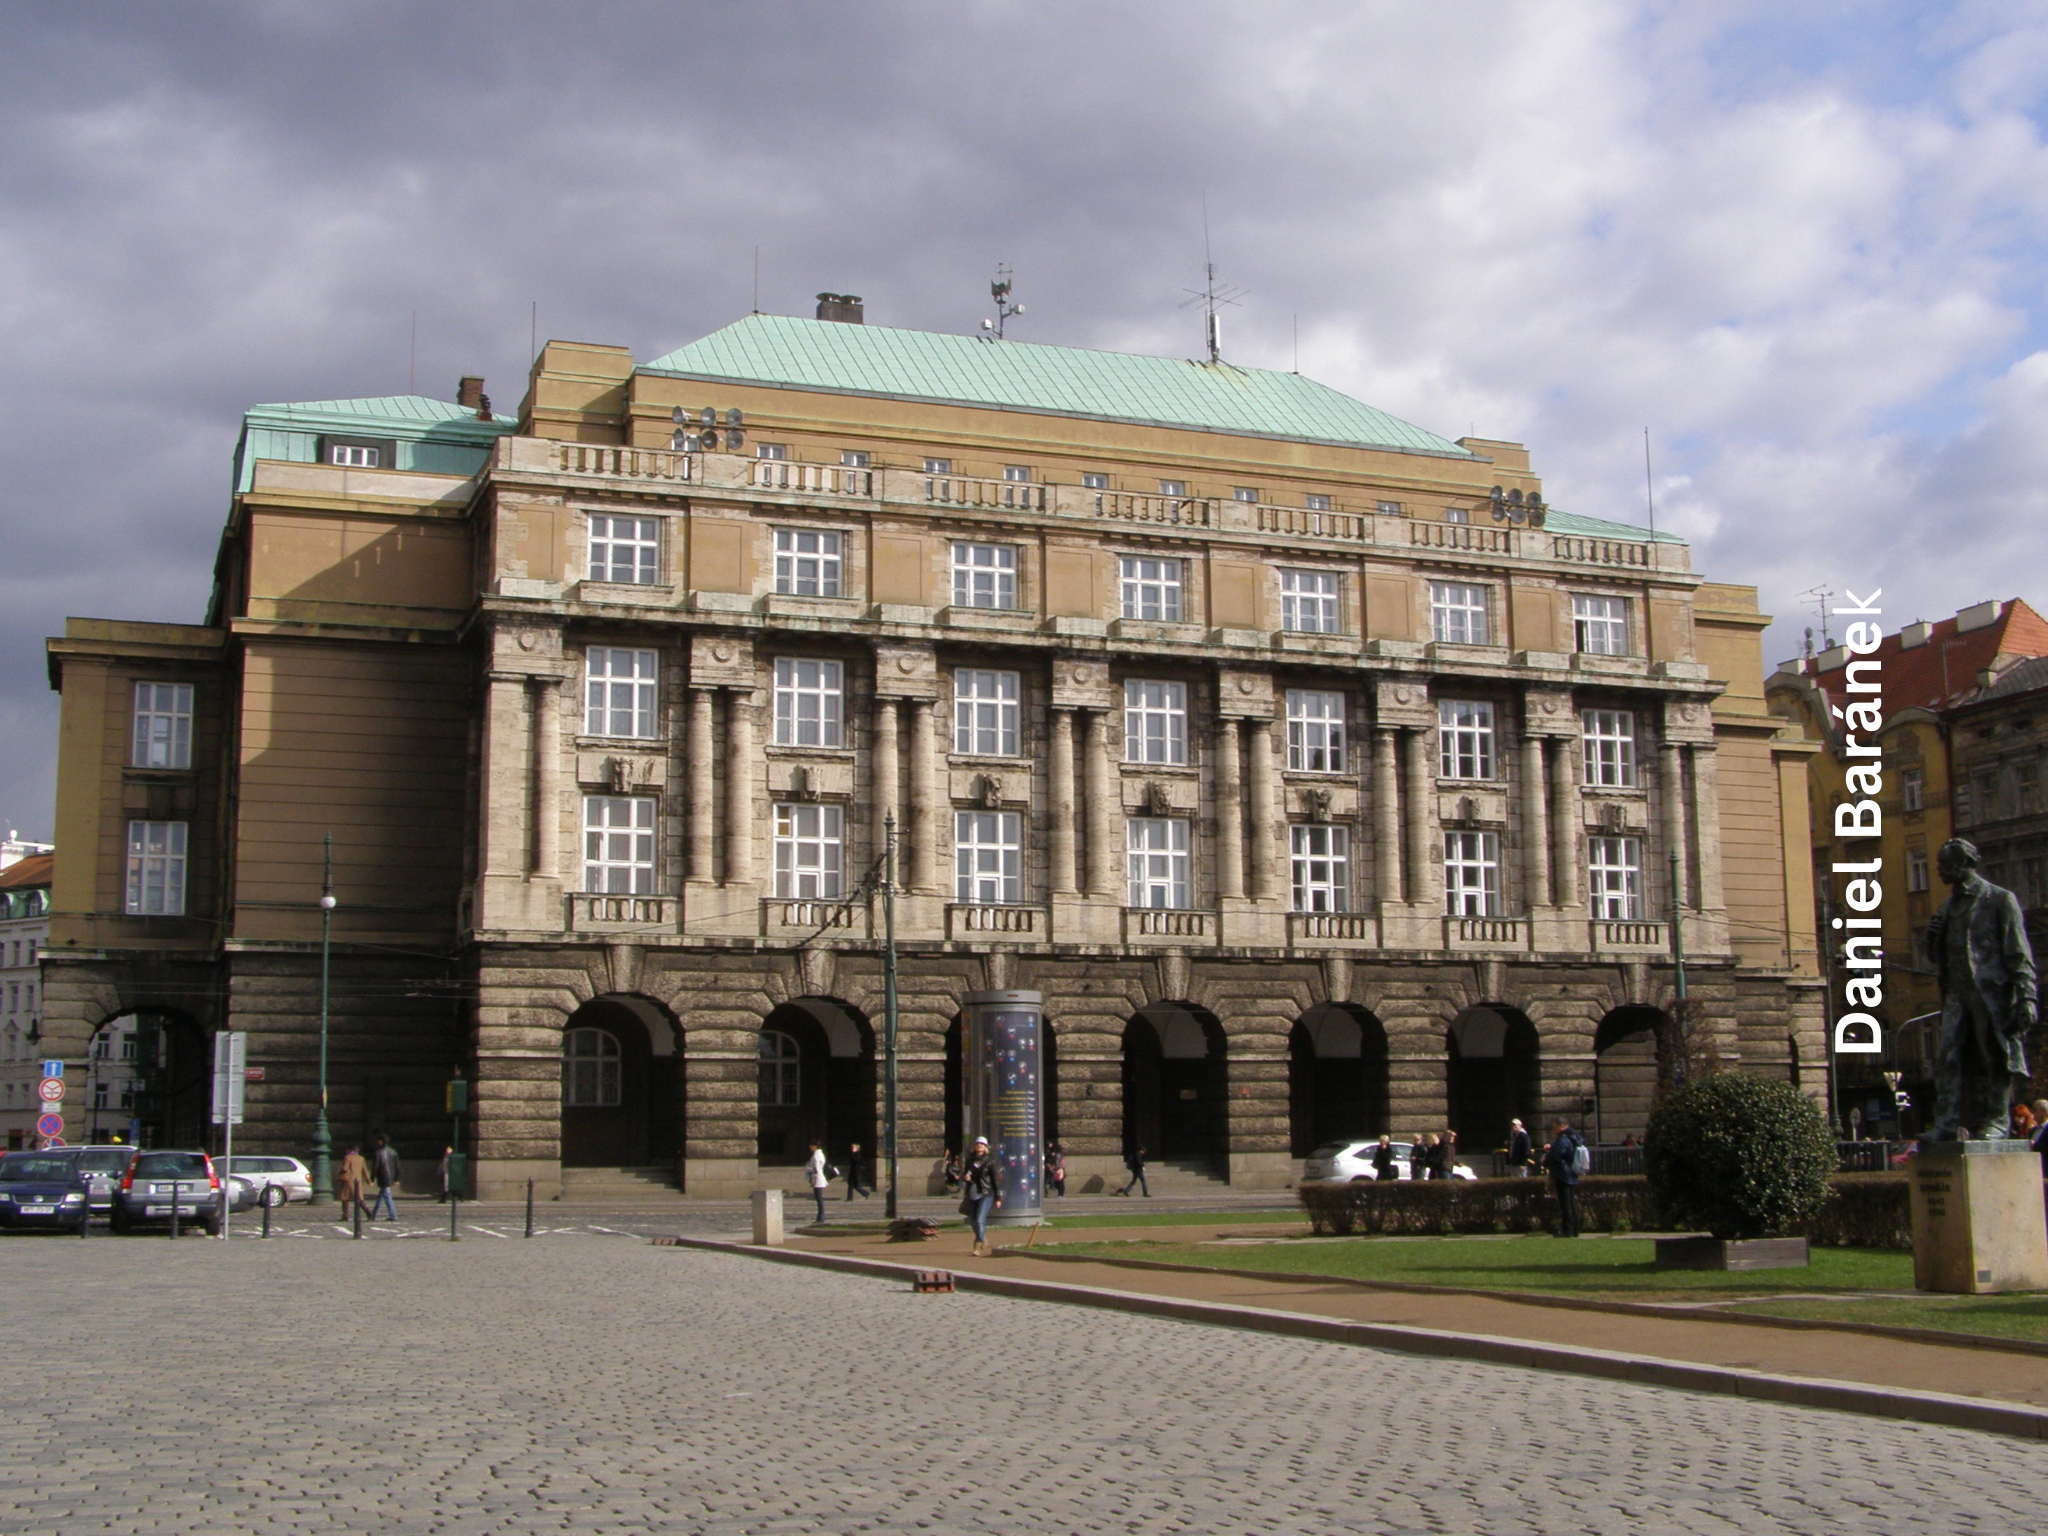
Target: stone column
(1105, 819)
(742, 773)
(1565, 818)
(1063, 807)
(1386, 817)
(1671, 790)
(1229, 813)
(1264, 809)
(504, 787)
(1535, 823)
(1706, 822)
(547, 788)
(926, 813)
(702, 753)
(888, 774)
(1422, 859)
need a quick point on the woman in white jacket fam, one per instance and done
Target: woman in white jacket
(814, 1171)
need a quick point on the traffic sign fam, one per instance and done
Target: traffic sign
(50, 1125)
(53, 1069)
(252, 1074)
(51, 1090)
(230, 1072)
(52, 1143)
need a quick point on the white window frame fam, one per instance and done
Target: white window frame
(1094, 480)
(1472, 874)
(987, 711)
(625, 551)
(781, 1080)
(810, 562)
(810, 851)
(854, 458)
(1316, 720)
(1017, 474)
(1155, 721)
(1152, 587)
(1457, 515)
(1315, 501)
(938, 466)
(810, 702)
(1387, 508)
(1173, 487)
(1609, 737)
(984, 575)
(1599, 624)
(592, 1070)
(157, 868)
(1460, 613)
(988, 857)
(1310, 601)
(1465, 740)
(620, 688)
(163, 726)
(355, 456)
(1916, 870)
(1912, 789)
(618, 845)
(1614, 877)
(1321, 866)
(1157, 860)
(778, 452)
(1249, 493)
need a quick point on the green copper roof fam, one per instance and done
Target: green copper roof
(1025, 376)
(1601, 528)
(386, 415)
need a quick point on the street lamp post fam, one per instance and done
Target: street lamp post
(889, 1003)
(1680, 1010)
(323, 1150)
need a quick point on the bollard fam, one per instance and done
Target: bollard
(266, 1216)
(529, 1207)
(85, 1226)
(768, 1218)
(453, 1205)
(359, 1216)
(174, 1212)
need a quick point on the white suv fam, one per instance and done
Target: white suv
(1351, 1162)
(277, 1178)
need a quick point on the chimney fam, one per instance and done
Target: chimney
(469, 393)
(844, 307)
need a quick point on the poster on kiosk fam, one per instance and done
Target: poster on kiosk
(1005, 1084)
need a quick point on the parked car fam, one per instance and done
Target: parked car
(42, 1189)
(1350, 1162)
(278, 1178)
(102, 1168)
(157, 1183)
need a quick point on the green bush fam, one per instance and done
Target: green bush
(1738, 1157)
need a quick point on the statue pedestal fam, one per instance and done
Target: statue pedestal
(1978, 1223)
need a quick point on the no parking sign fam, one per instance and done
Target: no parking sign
(49, 1125)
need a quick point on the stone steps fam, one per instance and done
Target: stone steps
(656, 1184)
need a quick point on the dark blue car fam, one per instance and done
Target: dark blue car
(42, 1189)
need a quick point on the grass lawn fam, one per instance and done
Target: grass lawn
(2000, 1317)
(1281, 1216)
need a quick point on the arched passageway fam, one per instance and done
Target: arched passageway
(1336, 1076)
(817, 1082)
(1491, 1076)
(1174, 1085)
(1625, 1072)
(621, 1085)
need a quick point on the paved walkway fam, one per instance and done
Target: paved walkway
(589, 1383)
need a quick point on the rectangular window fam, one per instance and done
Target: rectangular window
(2027, 784)
(809, 852)
(984, 575)
(1387, 508)
(1457, 515)
(163, 725)
(853, 458)
(1916, 869)
(1464, 734)
(1151, 588)
(618, 692)
(1317, 503)
(1173, 487)
(1457, 613)
(1600, 625)
(1913, 789)
(1158, 860)
(156, 868)
(1614, 876)
(810, 698)
(1472, 874)
(1155, 722)
(618, 844)
(355, 456)
(1322, 868)
(985, 711)
(1308, 601)
(988, 857)
(808, 562)
(938, 466)
(771, 450)
(1091, 481)
(1020, 472)
(1245, 493)
(1610, 738)
(624, 549)
(1315, 731)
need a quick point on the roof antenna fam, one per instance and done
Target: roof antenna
(1820, 596)
(999, 290)
(1212, 297)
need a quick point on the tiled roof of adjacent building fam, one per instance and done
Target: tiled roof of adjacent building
(1942, 669)
(2024, 677)
(25, 873)
(1028, 376)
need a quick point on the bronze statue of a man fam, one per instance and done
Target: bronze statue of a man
(1978, 942)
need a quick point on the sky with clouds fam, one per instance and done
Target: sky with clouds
(1802, 245)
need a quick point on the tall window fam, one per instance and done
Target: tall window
(1155, 721)
(1322, 868)
(1472, 874)
(1600, 625)
(1308, 601)
(590, 1070)
(1457, 613)
(1614, 876)
(1158, 860)
(1151, 588)
(623, 549)
(618, 844)
(1916, 869)
(810, 700)
(808, 562)
(988, 857)
(1610, 747)
(1457, 514)
(1913, 788)
(156, 868)
(809, 852)
(781, 1070)
(985, 712)
(984, 575)
(163, 725)
(1464, 734)
(1315, 731)
(618, 692)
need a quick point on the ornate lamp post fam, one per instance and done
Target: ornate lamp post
(323, 1150)
(889, 1006)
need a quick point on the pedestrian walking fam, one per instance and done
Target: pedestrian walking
(1383, 1165)
(1565, 1164)
(1521, 1149)
(855, 1165)
(951, 1170)
(385, 1169)
(816, 1176)
(1422, 1161)
(1056, 1170)
(446, 1154)
(979, 1193)
(354, 1174)
(1447, 1155)
(1135, 1161)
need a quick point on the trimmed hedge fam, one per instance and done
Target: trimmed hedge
(1739, 1157)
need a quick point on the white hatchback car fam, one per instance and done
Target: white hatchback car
(277, 1179)
(1350, 1162)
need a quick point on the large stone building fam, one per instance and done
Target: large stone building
(1317, 791)
(24, 930)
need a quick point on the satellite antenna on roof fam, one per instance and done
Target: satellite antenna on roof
(1213, 297)
(1820, 596)
(999, 290)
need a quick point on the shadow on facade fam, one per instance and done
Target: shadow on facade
(622, 1090)
(817, 1081)
(1175, 1086)
(1336, 1077)
(1492, 1076)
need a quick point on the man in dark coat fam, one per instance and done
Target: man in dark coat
(1521, 1150)
(1562, 1160)
(1978, 942)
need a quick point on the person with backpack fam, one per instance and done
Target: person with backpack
(1568, 1160)
(1135, 1161)
(384, 1168)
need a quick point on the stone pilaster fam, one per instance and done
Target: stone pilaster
(547, 731)
(928, 816)
(1565, 818)
(701, 750)
(1062, 810)
(1386, 816)
(1265, 810)
(742, 776)
(887, 771)
(1671, 802)
(1105, 813)
(1535, 823)
(1425, 843)
(1229, 813)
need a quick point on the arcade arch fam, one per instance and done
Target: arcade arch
(621, 1090)
(1491, 1075)
(1175, 1088)
(816, 1081)
(1337, 1083)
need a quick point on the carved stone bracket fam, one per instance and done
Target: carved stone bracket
(1082, 682)
(1549, 712)
(906, 672)
(1242, 695)
(1689, 720)
(722, 661)
(1403, 701)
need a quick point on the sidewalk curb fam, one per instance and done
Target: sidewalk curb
(1944, 1409)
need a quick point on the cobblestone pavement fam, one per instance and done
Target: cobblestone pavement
(591, 1383)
